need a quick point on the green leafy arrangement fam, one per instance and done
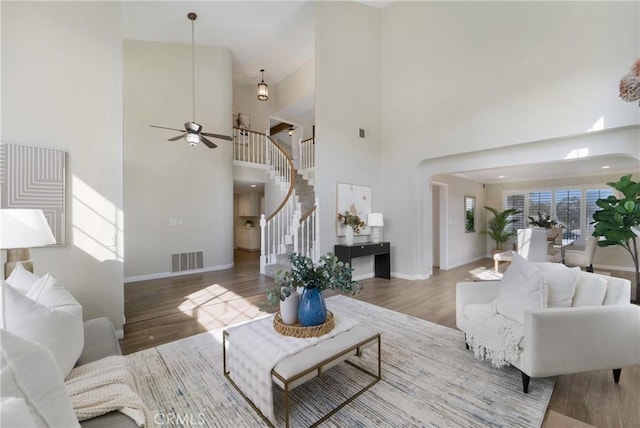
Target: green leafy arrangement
(615, 218)
(543, 220)
(497, 229)
(352, 220)
(328, 274)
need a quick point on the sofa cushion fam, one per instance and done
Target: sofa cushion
(29, 371)
(59, 328)
(14, 413)
(561, 283)
(21, 279)
(590, 290)
(521, 289)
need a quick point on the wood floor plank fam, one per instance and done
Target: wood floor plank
(168, 309)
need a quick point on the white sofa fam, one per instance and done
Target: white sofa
(565, 340)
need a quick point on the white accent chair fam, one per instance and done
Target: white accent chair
(532, 245)
(567, 340)
(582, 257)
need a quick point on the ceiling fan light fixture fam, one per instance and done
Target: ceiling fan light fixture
(263, 89)
(192, 139)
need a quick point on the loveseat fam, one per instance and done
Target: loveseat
(564, 320)
(53, 365)
(100, 341)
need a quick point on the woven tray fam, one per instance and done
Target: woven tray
(297, 330)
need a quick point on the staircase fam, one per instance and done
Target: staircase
(293, 227)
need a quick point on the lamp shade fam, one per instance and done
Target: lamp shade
(24, 228)
(375, 220)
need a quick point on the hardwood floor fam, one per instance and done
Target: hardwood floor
(164, 310)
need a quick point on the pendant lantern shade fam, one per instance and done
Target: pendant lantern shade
(263, 89)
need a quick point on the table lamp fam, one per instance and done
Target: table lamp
(21, 229)
(375, 222)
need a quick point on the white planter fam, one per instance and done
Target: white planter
(289, 308)
(349, 235)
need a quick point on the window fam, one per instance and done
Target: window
(540, 203)
(516, 201)
(572, 208)
(591, 207)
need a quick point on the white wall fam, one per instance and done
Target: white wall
(245, 101)
(347, 68)
(462, 247)
(62, 89)
(464, 76)
(165, 180)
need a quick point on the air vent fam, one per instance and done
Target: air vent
(186, 261)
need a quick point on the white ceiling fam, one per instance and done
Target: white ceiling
(555, 170)
(275, 35)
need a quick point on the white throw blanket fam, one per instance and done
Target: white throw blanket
(255, 348)
(106, 385)
(492, 336)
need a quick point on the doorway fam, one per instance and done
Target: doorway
(439, 201)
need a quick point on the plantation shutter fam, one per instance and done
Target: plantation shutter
(516, 201)
(591, 197)
(568, 211)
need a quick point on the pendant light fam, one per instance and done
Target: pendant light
(263, 89)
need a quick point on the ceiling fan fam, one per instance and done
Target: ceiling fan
(192, 131)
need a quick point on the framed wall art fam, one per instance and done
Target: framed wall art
(355, 199)
(33, 177)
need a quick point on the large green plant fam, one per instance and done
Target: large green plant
(328, 274)
(615, 218)
(497, 229)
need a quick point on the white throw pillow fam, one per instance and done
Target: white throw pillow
(522, 289)
(59, 328)
(590, 290)
(14, 413)
(21, 279)
(561, 283)
(29, 371)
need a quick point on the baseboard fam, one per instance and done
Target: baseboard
(137, 278)
(466, 262)
(411, 277)
(120, 333)
(620, 268)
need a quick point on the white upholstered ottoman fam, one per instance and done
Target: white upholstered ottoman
(312, 361)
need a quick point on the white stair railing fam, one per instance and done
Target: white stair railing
(307, 153)
(286, 225)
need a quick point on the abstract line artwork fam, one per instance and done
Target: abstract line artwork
(32, 177)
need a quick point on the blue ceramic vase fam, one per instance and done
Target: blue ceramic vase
(311, 309)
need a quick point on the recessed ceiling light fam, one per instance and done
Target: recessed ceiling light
(605, 166)
(501, 176)
(253, 185)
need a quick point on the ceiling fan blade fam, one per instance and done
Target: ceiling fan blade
(222, 137)
(179, 137)
(164, 127)
(208, 143)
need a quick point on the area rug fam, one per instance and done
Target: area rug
(429, 379)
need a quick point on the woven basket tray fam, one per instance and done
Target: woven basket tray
(297, 330)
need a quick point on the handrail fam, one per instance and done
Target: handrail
(307, 214)
(291, 182)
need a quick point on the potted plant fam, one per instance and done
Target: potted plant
(616, 217)
(497, 229)
(353, 225)
(542, 220)
(328, 274)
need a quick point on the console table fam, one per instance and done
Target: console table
(381, 251)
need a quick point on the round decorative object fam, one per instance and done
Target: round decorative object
(311, 309)
(289, 308)
(348, 235)
(297, 330)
